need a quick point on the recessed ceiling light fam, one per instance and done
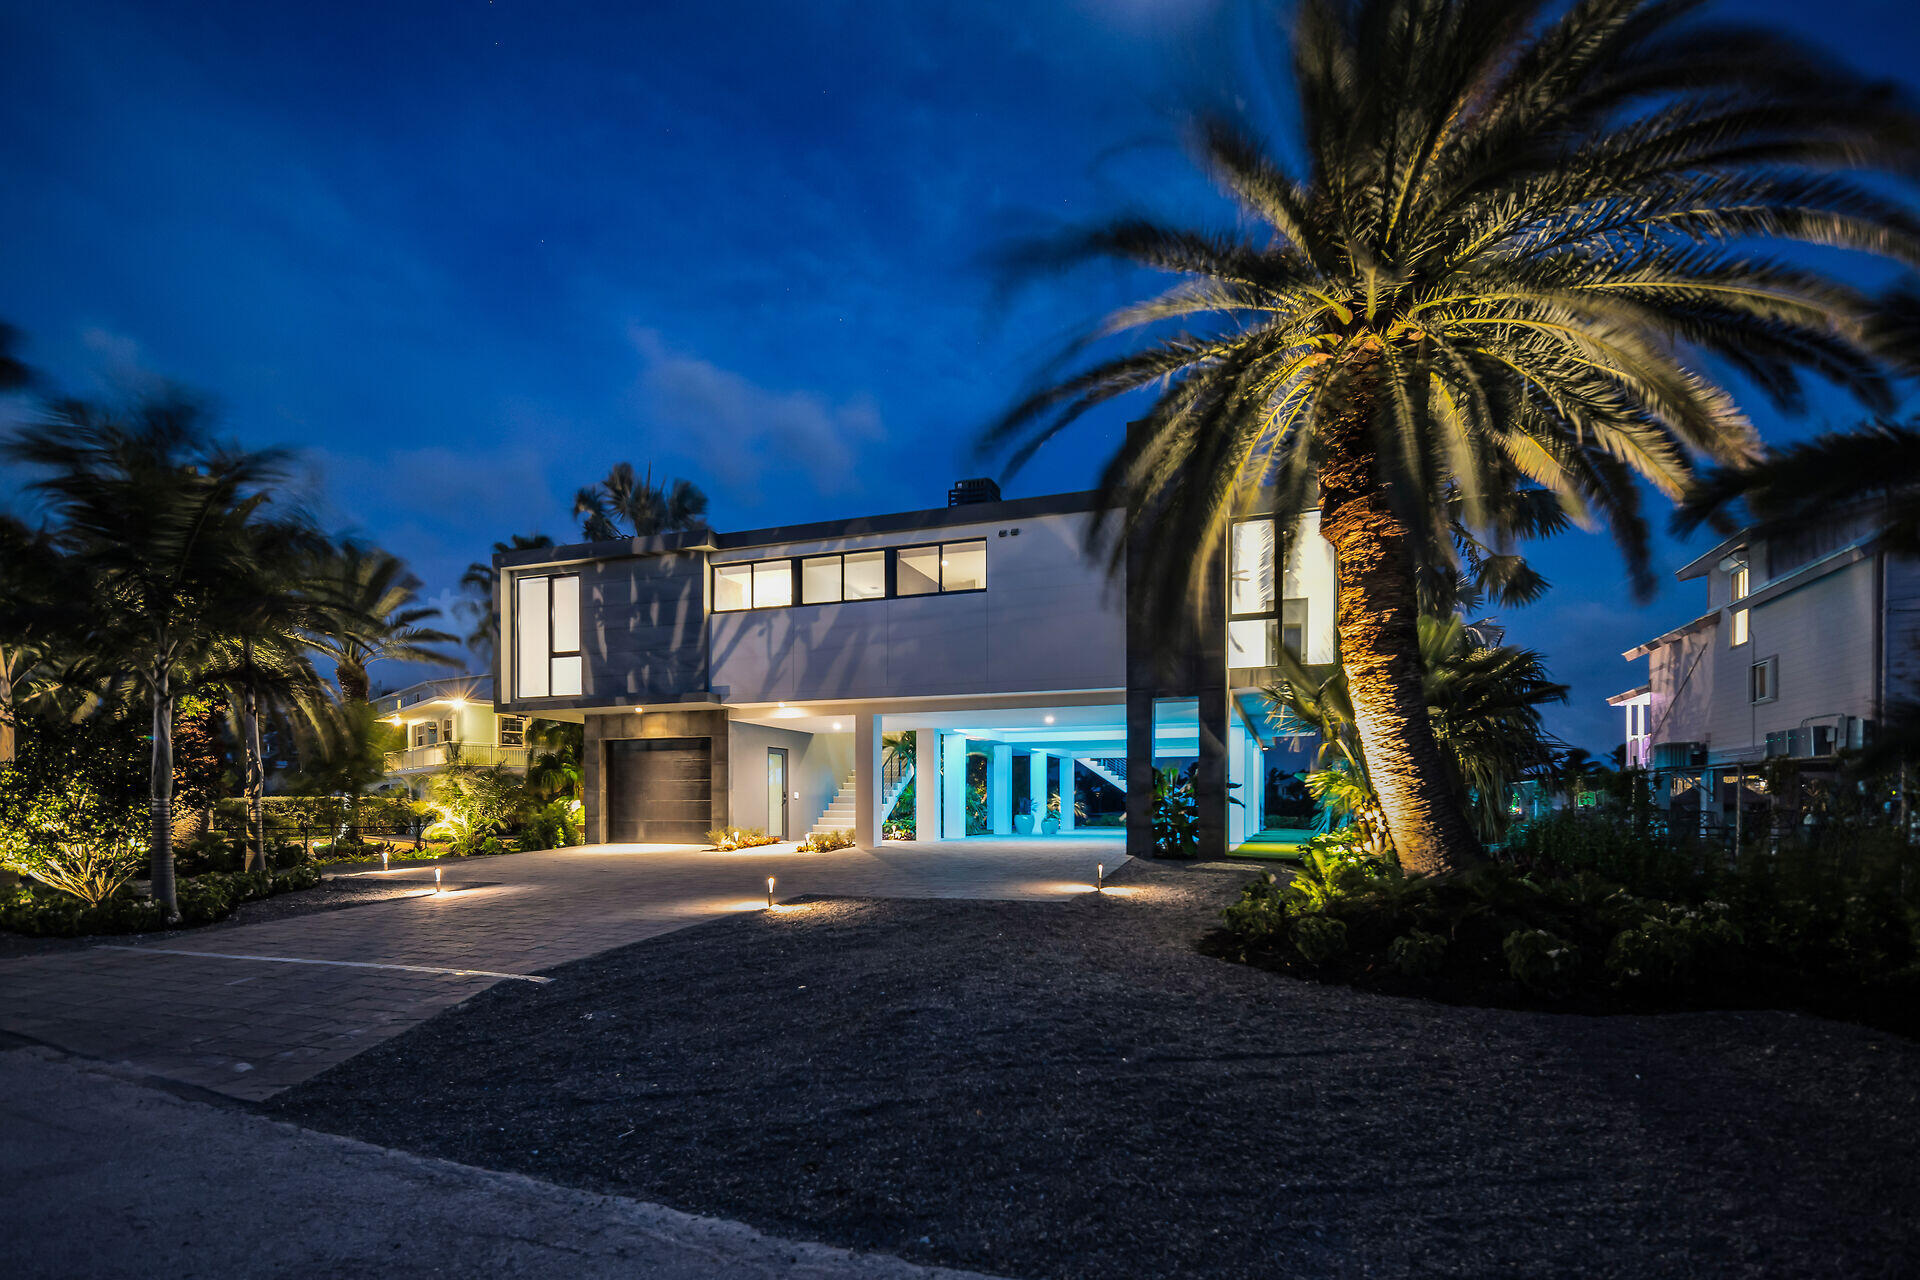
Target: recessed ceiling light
(836, 724)
(1049, 719)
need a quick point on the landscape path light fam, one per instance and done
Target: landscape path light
(769, 893)
(1099, 877)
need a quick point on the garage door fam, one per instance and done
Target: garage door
(659, 789)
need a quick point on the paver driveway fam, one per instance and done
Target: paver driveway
(253, 1010)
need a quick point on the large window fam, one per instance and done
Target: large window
(1260, 622)
(547, 629)
(857, 575)
(851, 575)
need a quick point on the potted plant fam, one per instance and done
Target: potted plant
(1023, 816)
(1050, 825)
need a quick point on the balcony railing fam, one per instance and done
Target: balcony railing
(441, 754)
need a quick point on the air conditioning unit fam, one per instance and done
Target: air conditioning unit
(1821, 739)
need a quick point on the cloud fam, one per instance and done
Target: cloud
(745, 433)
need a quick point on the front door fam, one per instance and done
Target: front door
(777, 792)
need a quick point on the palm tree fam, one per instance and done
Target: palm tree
(154, 519)
(1482, 700)
(375, 614)
(39, 617)
(644, 507)
(263, 662)
(1516, 235)
(480, 582)
(1810, 482)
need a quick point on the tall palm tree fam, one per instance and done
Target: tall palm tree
(154, 518)
(637, 502)
(376, 614)
(263, 661)
(480, 581)
(1515, 236)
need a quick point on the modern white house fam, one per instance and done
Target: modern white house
(752, 679)
(1806, 640)
(449, 721)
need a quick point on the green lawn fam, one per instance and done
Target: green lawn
(1275, 843)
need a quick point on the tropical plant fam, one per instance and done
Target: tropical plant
(1517, 234)
(1483, 702)
(375, 613)
(480, 582)
(628, 506)
(553, 772)
(154, 520)
(825, 842)
(70, 812)
(474, 803)
(40, 618)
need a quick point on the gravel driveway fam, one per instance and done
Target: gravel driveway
(1069, 1089)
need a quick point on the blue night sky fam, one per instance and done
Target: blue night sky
(466, 255)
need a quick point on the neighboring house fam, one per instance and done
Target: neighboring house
(1807, 639)
(746, 679)
(449, 721)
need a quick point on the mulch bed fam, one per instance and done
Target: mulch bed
(1071, 1089)
(328, 895)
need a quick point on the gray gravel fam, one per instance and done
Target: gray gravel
(1072, 1090)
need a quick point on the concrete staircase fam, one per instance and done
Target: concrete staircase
(839, 811)
(839, 815)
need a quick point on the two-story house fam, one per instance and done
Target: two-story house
(1806, 639)
(750, 679)
(449, 721)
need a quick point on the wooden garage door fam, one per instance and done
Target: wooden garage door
(659, 789)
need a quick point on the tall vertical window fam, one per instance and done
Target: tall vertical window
(1739, 580)
(1740, 631)
(1260, 622)
(547, 636)
(1762, 682)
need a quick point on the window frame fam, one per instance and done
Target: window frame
(1739, 628)
(889, 575)
(553, 655)
(1772, 669)
(501, 729)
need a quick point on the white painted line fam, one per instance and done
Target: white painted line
(345, 964)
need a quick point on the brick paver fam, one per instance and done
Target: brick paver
(252, 1027)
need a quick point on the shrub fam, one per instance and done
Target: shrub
(1320, 939)
(474, 803)
(827, 841)
(72, 838)
(552, 826)
(1540, 961)
(728, 839)
(1417, 954)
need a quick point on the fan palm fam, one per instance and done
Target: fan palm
(155, 522)
(1483, 702)
(644, 507)
(480, 582)
(1517, 233)
(375, 614)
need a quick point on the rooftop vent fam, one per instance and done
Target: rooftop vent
(979, 489)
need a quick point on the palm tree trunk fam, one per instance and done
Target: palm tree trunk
(255, 769)
(1376, 617)
(8, 741)
(353, 682)
(160, 795)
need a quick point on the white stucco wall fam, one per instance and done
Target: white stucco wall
(816, 763)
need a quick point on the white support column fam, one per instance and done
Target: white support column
(1037, 787)
(1237, 738)
(866, 781)
(926, 784)
(1067, 766)
(953, 785)
(1000, 790)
